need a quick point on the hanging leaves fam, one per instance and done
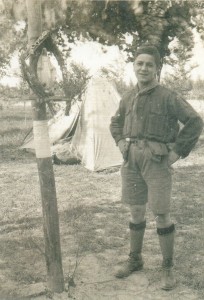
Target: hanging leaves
(109, 22)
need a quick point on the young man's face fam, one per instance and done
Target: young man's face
(145, 68)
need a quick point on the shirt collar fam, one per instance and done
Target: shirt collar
(147, 89)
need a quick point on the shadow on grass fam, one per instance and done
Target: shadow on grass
(14, 153)
(95, 228)
(20, 260)
(21, 224)
(187, 210)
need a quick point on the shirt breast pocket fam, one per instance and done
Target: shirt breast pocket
(157, 121)
(157, 125)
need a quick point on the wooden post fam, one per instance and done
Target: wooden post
(45, 169)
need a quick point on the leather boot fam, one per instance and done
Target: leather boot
(166, 240)
(168, 280)
(134, 262)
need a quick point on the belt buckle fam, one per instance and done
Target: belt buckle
(130, 140)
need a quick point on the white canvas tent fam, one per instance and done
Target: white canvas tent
(59, 127)
(91, 141)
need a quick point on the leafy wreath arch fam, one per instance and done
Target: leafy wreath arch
(29, 61)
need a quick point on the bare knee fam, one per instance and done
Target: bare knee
(163, 220)
(137, 213)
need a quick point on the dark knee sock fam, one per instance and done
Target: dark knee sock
(166, 240)
(136, 236)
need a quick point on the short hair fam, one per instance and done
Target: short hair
(151, 50)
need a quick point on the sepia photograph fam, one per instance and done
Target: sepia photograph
(102, 149)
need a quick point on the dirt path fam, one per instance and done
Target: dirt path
(99, 284)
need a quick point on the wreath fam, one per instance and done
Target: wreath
(29, 60)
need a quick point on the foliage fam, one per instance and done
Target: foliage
(7, 92)
(179, 79)
(156, 22)
(12, 32)
(198, 84)
(127, 24)
(198, 89)
(178, 83)
(121, 86)
(78, 77)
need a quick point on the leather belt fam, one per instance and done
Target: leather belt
(135, 140)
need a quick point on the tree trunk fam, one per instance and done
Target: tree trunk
(45, 169)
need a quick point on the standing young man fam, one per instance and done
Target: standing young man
(146, 130)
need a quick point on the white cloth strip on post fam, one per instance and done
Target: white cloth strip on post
(41, 139)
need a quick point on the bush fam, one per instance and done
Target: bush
(181, 84)
(198, 89)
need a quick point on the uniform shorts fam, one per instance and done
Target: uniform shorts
(146, 177)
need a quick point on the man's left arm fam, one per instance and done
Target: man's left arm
(192, 127)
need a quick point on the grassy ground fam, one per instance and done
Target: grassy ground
(92, 219)
(15, 124)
